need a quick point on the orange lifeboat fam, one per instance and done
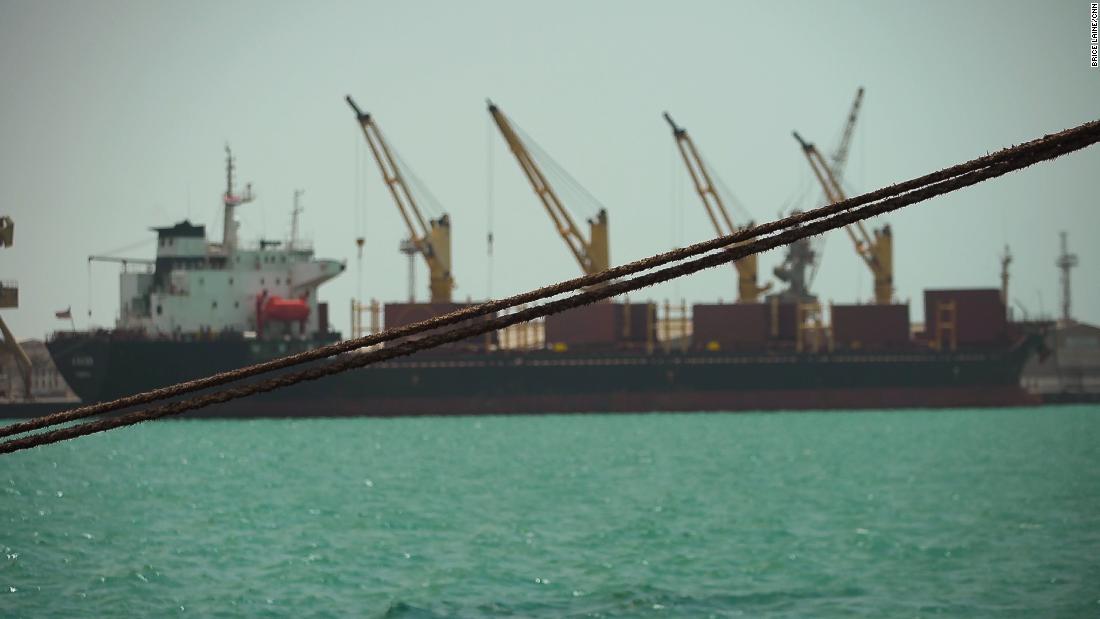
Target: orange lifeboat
(285, 310)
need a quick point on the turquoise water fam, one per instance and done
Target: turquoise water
(910, 514)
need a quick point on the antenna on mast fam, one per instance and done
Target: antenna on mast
(297, 210)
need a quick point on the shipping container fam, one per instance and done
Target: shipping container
(400, 314)
(586, 325)
(979, 316)
(603, 324)
(730, 326)
(870, 327)
(636, 322)
(783, 320)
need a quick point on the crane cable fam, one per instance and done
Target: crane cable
(575, 197)
(489, 187)
(785, 231)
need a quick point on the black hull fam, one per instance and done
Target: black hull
(32, 408)
(100, 368)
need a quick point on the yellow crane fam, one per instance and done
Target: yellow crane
(592, 254)
(877, 251)
(748, 291)
(431, 238)
(837, 162)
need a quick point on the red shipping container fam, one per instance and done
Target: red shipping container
(979, 315)
(636, 322)
(870, 327)
(401, 314)
(731, 326)
(602, 324)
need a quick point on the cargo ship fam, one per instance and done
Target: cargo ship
(203, 306)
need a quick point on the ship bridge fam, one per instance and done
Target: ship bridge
(196, 287)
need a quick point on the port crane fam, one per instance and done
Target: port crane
(592, 254)
(877, 250)
(748, 291)
(838, 160)
(431, 238)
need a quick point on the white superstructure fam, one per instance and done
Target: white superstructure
(200, 287)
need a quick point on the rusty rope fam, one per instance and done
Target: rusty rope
(532, 296)
(910, 192)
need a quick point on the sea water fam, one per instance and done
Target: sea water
(963, 513)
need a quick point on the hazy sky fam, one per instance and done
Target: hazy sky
(115, 115)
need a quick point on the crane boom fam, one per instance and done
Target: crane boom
(592, 254)
(431, 237)
(839, 158)
(748, 291)
(877, 251)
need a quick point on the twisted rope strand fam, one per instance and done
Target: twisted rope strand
(1048, 150)
(1047, 147)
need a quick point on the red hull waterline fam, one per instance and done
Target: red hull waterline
(625, 402)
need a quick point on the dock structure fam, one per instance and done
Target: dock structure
(9, 299)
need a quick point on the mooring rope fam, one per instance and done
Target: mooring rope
(532, 296)
(789, 230)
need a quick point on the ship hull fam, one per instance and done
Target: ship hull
(652, 402)
(27, 409)
(100, 368)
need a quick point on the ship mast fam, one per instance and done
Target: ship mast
(231, 201)
(1065, 262)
